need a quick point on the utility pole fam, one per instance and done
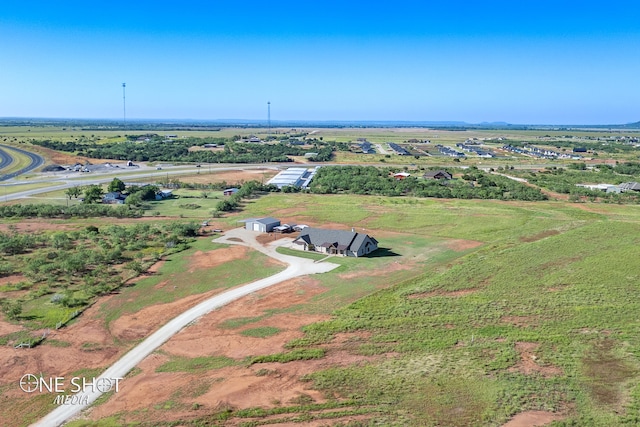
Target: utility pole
(269, 119)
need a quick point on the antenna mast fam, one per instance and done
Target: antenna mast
(269, 119)
(124, 107)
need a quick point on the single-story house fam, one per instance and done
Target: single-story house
(164, 194)
(338, 242)
(230, 191)
(440, 174)
(264, 225)
(114, 197)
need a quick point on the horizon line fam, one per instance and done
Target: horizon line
(231, 121)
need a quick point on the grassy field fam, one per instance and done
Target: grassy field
(555, 278)
(185, 281)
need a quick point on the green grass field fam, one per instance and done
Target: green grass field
(558, 277)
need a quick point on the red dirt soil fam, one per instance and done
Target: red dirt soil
(38, 225)
(265, 384)
(528, 365)
(533, 419)
(231, 177)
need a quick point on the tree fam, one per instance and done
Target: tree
(11, 308)
(73, 192)
(116, 185)
(133, 199)
(93, 194)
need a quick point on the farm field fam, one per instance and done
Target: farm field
(475, 312)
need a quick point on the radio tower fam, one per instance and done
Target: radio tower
(124, 107)
(269, 119)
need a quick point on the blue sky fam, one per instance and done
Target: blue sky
(544, 62)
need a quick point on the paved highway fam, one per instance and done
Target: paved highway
(36, 162)
(5, 159)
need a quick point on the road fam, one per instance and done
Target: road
(5, 159)
(381, 149)
(296, 267)
(36, 162)
(85, 179)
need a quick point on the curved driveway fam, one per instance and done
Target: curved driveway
(296, 267)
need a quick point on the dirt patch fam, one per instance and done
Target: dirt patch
(460, 245)
(539, 236)
(233, 178)
(202, 260)
(38, 225)
(210, 335)
(14, 278)
(60, 158)
(606, 372)
(141, 323)
(86, 345)
(8, 328)
(443, 293)
(520, 321)
(528, 361)
(266, 238)
(533, 419)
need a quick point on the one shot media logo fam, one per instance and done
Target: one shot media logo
(69, 391)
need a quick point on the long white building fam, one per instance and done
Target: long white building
(294, 177)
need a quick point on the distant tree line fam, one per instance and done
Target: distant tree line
(246, 191)
(73, 211)
(178, 150)
(475, 184)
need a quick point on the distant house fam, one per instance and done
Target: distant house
(264, 225)
(230, 191)
(440, 174)
(164, 194)
(114, 198)
(401, 175)
(336, 242)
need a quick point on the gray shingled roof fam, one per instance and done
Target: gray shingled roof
(340, 238)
